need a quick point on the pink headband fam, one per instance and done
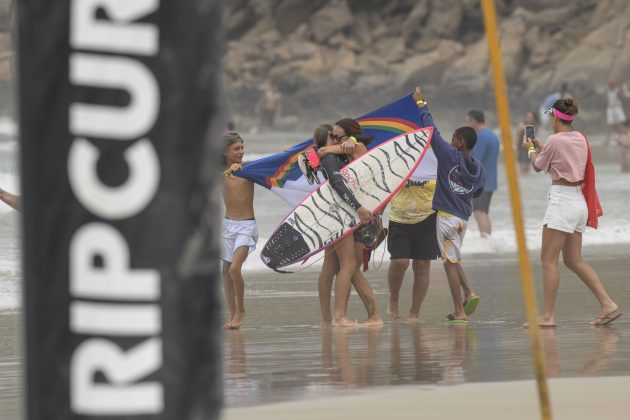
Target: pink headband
(561, 115)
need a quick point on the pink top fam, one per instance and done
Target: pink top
(564, 156)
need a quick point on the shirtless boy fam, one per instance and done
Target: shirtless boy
(239, 228)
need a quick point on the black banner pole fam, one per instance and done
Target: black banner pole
(119, 103)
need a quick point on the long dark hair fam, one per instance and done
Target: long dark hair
(320, 136)
(352, 128)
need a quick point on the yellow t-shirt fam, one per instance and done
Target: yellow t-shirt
(412, 204)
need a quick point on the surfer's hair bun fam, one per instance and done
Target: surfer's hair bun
(567, 106)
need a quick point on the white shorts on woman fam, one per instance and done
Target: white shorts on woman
(566, 209)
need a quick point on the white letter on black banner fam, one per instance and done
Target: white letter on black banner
(118, 34)
(120, 396)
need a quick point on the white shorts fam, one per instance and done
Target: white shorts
(615, 115)
(566, 209)
(237, 234)
(450, 236)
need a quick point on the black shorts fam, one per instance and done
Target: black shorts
(415, 241)
(482, 203)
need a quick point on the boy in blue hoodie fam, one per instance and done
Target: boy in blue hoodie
(460, 178)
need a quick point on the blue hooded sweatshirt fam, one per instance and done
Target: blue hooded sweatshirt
(458, 179)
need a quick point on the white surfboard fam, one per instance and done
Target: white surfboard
(324, 217)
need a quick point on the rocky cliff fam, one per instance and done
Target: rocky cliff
(334, 58)
(344, 57)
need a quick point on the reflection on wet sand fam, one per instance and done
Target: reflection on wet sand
(432, 358)
(281, 364)
(605, 349)
(344, 366)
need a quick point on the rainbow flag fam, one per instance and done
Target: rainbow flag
(281, 174)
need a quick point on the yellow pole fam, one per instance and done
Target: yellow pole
(503, 113)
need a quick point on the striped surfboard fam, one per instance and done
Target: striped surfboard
(324, 217)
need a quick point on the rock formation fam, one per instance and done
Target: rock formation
(344, 57)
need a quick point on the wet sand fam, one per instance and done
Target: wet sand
(281, 364)
(572, 399)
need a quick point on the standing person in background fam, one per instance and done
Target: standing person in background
(623, 141)
(460, 177)
(523, 160)
(240, 232)
(486, 151)
(615, 115)
(11, 200)
(567, 159)
(270, 106)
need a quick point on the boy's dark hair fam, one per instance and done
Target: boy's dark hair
(477, 116)
(468, 135)
(320, 136)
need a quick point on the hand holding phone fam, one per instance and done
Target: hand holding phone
(530, 133)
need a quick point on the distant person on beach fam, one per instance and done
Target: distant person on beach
(547, 103)
(566, 157)
(11, 200)
(460, 177)
(348, 142)
(240, 232)
(269, 107)
(623, 141)
(341, 258)
(523, 161)
(486, 151)
(615, 115)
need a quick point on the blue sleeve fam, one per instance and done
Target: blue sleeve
(479, 151)
(438, 144)
(481, 181)
(330, 164)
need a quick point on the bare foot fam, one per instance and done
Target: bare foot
(392, 309)
(344, 322)
(543, 322)
(372, 321)
(325, 324)
(411, 317)
(227, 325)
(236, 322)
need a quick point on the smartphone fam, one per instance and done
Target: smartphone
(530, 133)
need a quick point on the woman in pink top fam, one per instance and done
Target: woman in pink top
(564, 157)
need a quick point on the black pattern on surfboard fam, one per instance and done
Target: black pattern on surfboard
(336, 205)
(385, 188)
(356, 176)
(380, 164)
(298, 221)
(389, 162)
(304, 206)
(334, 214)
(400, 152)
